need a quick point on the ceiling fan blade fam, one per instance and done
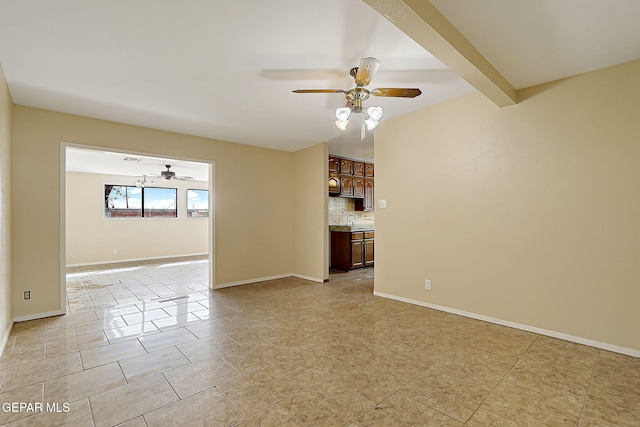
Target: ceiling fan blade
(396, 91)
(366, 70)
(319, 91)
(183, 178)
(309, 75)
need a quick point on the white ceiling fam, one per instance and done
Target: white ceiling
(537, 41)
(131, 165)
(226, 69)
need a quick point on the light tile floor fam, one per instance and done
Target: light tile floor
(111, 285)
(154, 347)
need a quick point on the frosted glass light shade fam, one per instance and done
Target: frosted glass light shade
(342, 124)
(375, 113)
(342, 114)
(371, 124)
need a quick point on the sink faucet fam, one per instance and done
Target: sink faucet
(352, 222)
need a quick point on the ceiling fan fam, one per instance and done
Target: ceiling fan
(362, 75)
(143, 182)
(169, 174)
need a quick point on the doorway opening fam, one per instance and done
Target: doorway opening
(134, 227)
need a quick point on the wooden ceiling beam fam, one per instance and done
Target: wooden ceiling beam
(424, 23)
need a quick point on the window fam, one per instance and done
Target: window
(197, 203)
(160, 202)
(124, 201)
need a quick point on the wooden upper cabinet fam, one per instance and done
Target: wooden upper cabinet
(358, 169)
(346, 167)
(334, 183)
(358, 187)
(346, 186)
(368, 204)
(334, 165)
(351, 178)
(368, 170)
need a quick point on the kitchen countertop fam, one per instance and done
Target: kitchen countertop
(350, 228)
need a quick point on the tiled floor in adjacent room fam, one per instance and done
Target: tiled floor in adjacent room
(147, 344)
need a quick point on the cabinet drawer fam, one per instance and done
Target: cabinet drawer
(357, 236)
(369, 234)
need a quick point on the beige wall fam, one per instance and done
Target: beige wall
(91, 237)
(5, 211)
(254, 211)
(529, 214)
(310, 220)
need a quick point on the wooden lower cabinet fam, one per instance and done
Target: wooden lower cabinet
(368, 252)
(357, 254)
(350, 250)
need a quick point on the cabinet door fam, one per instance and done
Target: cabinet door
(357, 254)
(346, 186)
(358, 187)
(368, 252)
(341, 250)
(334, 183)
(368, 170)
(358, 169)
(334, 164)
(346, 167)
(368, 195)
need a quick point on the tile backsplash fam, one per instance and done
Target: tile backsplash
(342, 211)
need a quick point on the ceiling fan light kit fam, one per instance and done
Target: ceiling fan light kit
(142, 182)
(342, 124)
(342, 114)
(373, 116)
(362, 76)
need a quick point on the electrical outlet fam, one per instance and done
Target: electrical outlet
(114, 251)
(27, 294)
(427, 284)
(382, 203)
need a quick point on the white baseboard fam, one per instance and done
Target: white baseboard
(311, 279)
(38, 315)
(553, 334)
(136, 259)
(264, 279)
(256, 280)
(5, 337)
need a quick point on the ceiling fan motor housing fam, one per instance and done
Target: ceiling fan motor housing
(355, 98)
(168, 174)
